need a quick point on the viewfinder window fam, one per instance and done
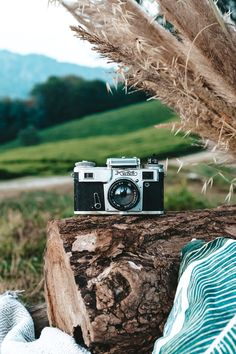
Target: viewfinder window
(147, 175)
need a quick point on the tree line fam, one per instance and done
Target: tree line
(57, 100)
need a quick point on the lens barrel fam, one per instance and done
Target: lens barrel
(123, 194)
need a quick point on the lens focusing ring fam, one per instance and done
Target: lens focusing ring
(123, 194)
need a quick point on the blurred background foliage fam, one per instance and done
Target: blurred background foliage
(57, 100)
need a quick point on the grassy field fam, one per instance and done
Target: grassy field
(23, 221)
(127, 131)
(59, 157)
(116, 122)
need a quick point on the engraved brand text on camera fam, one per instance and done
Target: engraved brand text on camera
(126, 173)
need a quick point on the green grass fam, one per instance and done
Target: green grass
(126, 131)
(115, 122)
(23, 222)
(59, 157)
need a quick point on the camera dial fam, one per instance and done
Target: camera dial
(152, 160)
(123, 194)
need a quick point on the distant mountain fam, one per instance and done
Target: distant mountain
(19, 73)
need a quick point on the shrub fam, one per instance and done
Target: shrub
(29, 136)
(183, 199)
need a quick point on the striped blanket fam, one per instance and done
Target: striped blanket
(203, 317)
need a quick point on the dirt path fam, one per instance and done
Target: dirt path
(200, 157)
(12, 187)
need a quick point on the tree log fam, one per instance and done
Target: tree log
(110, 280)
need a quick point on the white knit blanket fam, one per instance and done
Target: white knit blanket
(17, 332)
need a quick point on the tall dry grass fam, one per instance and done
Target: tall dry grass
(193, 72)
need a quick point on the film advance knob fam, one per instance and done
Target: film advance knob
(153, 160)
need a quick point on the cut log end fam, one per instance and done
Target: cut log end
(112, 279)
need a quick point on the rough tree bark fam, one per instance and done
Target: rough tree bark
(112, 279)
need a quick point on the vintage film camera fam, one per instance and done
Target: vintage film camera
(123, 187)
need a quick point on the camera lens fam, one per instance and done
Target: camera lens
(123, 194)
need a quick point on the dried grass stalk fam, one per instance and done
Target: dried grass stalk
(193, 73)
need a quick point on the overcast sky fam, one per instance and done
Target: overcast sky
(33, 26)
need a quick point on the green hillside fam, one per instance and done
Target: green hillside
(128, 131)
(114, 122)
(59, 157)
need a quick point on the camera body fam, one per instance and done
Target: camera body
(122, 187)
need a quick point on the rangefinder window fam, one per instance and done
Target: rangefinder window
(88, 175)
